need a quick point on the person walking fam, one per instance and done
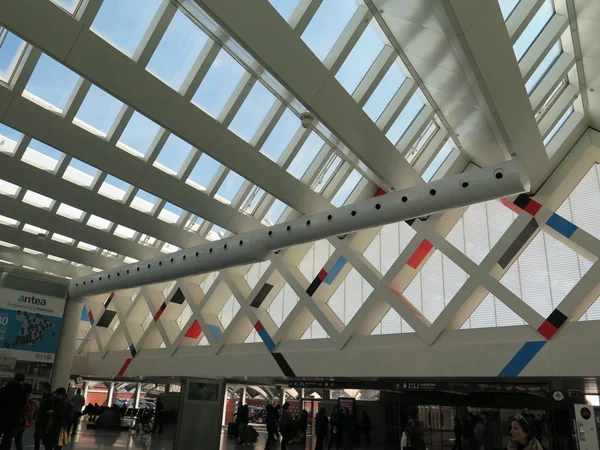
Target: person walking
(271, 425)
(57, 432)
(522, 433)
(12, 407)
(26, 419)
(159, 417)
(414, 431)
(336, 433)
(321, 428)
(42, 418)
(347, 426)
(286, 426)
(365, 427)
(458, 432)
(77, 404)
(485, 435)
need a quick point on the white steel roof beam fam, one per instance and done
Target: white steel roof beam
(41, 263)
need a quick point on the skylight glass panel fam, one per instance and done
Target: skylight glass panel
(98, 112)
(170, 213)
(128, 260)
(7, 244)
(533, 30)
(114, 188)
(62, 239)
(275, 212)
(124, 232)
(69, 5)
(32, 229)
(31, 252)
(361, 58)
(8, 189)
(8, 221)
(422, 142)
(124, 23)
(230, 187)
(173, 155)
(70, 212)
(346, 189)
(252, 112)
(11, 50)
(87, 247)
(507, 7)
(194, 223)
(543, 68)
(56, 258)
(169, 248)
(9, 139)
(558, 126)
(385, 91)
(405, 119)
(42, 156)
(52, 83)
(285, 8)
(148, 240)
(138, 136)
(327, 25)
(203, 173)
(333, 163)
(38, 200)
(216, 233)
(99, 223)
(307, 154)
(80, 173)
(218, 84)
(177, 51)
(281, 135)
(252, 200)
(144, 202)
(437, 162)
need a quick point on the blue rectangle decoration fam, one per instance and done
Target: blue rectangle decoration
(562, 225)
(216, 331)
(522, 358)
(267, 339)
(335, 270)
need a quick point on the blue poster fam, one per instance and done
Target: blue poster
(26, 331)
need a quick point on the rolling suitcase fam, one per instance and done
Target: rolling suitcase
(232, 429)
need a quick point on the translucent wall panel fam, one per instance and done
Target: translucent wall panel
(314, 331)
(593, 312)
(480, 228)
(283, 304)
(387, 246)
(435, 285)
(392, 323)
(255, 272)
(492, 313)
(545, 273)
(315, 259)
(230, 309)
(349, 296)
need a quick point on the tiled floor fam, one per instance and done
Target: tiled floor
(92, 440)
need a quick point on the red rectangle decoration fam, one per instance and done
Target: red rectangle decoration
(322, 274)
(124, 368)
(258, 326)
(533, 207)
(158, 314)
(547, 330)
(194, 331)
(510, 205)
(420, 253)
(380, 192)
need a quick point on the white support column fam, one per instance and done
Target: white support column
(61, 371)
(243, 397)
(138, 392)
(111, 393)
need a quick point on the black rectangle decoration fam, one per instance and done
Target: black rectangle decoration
(262, 294)
(557, 318)
(106, 319)
(178, 297)
(518, 244)
(313, 287)
(521, 201)
(283, 365)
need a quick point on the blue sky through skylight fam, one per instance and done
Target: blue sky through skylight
(558, 126)
(281, 136)
(204, 172)
(405, 119)
(507, 7)
(99, 110)
(218, 84)
(42, 156)
(178, 51)
(124, 23)
(252, 112)
(535, 27)
(10, 52)
(344, 192)
(174, 153)
(274, 213)
(385, 91)
(307, 154)
(327, 25)
(52, 82)
(9, 139)
(114, 188)
(230, 187)
(360, 59)
(69, 5)
(285, 8)
(139, 134)
(438, 160)
(544, 66)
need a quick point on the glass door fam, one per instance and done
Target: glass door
(312, 407)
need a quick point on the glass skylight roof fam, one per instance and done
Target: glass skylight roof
(124, 232)
(285, 7)
(543, 68)
(62, 239)
(275, 212)
(8, 221)
(80, 173)
(173, 155)
(252, 112)
(69, 5)
(203, 173)
(42, 156)
(9, 139)
(230, 187)
(11, 50)
(123, 24)
(114, 188)
(438, 160)
(307, 154)
(361, 58)
(177, 52)
(327, 25)
(507, 7)
(170, 213)
(218, 84)
(138, 136)
(39, 200)
(98, 112)
(51, 84)
(70, 212)
(144, 202)
(99, 223)
(558, 126)
(281, 135)
(405, 119)
(535, 27)
(346, 189)
(8, 189)
(385, 91)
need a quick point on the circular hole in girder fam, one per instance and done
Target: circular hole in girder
(432, 191)
(329, 217)
(377, 206)
(353, 213)
(404, 199)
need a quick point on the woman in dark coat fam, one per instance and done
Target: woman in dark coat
(57, 435)
(321, 428)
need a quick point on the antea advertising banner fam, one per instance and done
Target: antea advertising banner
(29, 325)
